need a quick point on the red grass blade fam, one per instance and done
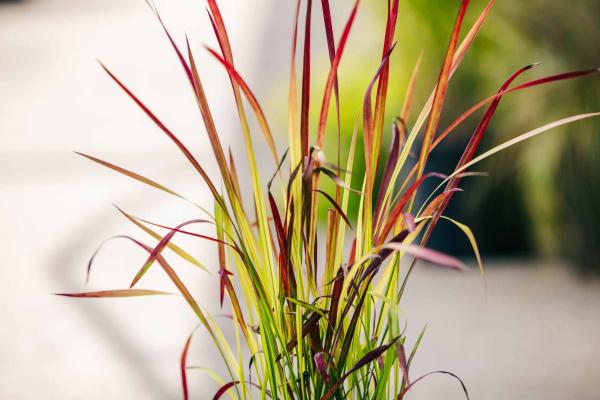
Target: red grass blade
(321, 365)
(223, 389)
(441, 89)
(289, 232)
(437, 201)
(93, 257)
(336, 179)
(382, 85)
(262, 120)
(403, 392)
(409, 220)
(332, 76)
(388, 170)
(399, 207)
(529, 84)
(179, 251)
(305, 100)
(161, 245)
(410, 92)
(430, 255)
(307, 326)
(365, 360)
(473, 109)
(484, 123)
(329, 32)
(115, 293)
(469, 151)
(198, 235)
(401, 354)
(235, 303)
(331, 49)
(132, 175)
(225, 283)
(182, 60)
(208, 120)
(182, 366)
(369, 123)
(223, 278)
(174, 138)
(220, 30)
(281, 238)
(470, 37)
(337, 207)
(558, 77)
(292, 94)
(334, 305)
(383, 254)
(178, 283)
(367, 277)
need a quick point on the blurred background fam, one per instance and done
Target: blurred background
(536, 215)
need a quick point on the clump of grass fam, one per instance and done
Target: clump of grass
(321, 326)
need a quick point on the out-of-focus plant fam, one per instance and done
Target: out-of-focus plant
(321, 324)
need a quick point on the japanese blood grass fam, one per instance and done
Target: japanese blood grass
(330, 328)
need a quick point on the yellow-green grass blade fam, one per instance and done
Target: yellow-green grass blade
(116, 293)
(473, 241)
(176, 249)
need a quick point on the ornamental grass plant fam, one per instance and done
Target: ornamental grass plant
(314, 304)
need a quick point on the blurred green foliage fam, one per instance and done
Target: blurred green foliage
(544, 195)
